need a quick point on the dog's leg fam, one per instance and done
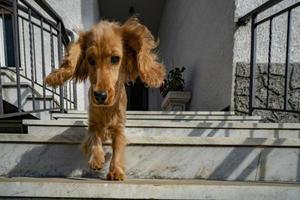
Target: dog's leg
(92, 147)
(58, 77)
(117, 169)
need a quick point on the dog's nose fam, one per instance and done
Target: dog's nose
(100, 96)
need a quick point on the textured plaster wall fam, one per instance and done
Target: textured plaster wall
(242, 34)
(199, 35)
(70, 12)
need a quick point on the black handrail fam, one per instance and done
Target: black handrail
(50, 11)
(246, 18)
(38, 25)
(252, 16)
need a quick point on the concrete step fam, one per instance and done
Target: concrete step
(9, 91)
(12, 126)
(192, 113)
(9, 79)
(42, 188)
(7, 76)
(167, 117)
(10, 95)
(214, 158)
(39, 102)
(166, 128)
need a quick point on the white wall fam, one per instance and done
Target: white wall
(199, 35)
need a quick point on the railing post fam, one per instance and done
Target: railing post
(252, 64)
(52, 63)
(31, 46)
(43, 61)
(269, 61)
(74, 88)
(17, 52)
(24, 47)
(74, 94)
(287, 61)
(61, 88)
(1, 97)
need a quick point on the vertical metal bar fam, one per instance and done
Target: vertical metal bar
(43, 62)
(59, 42)
(52, 61)
(74, 95)
(24, 48)
(17, 52)
(4, 38)
(269, 60)
(31, 59)
(66, 96)
(287, 60)
(252, 64)
(70, 94)
(34, 54)
(1, 98)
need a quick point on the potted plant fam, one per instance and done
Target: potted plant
(175, 98)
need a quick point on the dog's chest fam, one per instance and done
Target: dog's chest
(105, 118)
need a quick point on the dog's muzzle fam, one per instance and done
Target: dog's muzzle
(100, 96)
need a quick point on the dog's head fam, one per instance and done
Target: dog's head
(111, 54)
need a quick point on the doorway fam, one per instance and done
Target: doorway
(137, 96)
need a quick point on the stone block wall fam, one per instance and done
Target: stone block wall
(276, 91)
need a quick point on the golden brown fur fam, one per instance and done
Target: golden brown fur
(91, 57)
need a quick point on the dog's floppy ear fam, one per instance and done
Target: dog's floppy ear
(139, 47)
(71, 66)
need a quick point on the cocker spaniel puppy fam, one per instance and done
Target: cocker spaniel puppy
(109, 55)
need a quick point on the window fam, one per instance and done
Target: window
(2, 46)
(6, 40)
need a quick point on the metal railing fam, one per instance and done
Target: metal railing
(256, 21)
(39, 40)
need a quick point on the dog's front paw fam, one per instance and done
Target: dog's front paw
(116, 173)
(96, 162)
(55, 79)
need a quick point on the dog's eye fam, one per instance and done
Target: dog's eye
(115, 59)
(91, 61)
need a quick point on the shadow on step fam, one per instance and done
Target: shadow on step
(52, 159)
(244, 162)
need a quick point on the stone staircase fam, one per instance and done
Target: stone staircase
(9, 94)
(170, 155)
